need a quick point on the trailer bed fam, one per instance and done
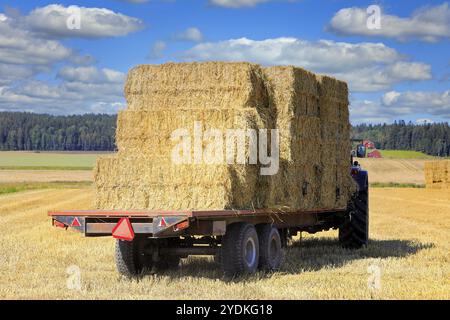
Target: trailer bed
(170, 223)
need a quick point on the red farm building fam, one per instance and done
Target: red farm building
(369, 144)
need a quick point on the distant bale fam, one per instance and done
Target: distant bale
(437, 174)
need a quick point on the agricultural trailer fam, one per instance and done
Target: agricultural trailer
(241, 241)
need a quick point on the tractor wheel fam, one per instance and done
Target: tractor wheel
(129, 257)
(354, 232)
(240, 249)
(270, 252)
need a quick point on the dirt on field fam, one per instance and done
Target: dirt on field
(394, 170)
(17, 176)
(408, 257)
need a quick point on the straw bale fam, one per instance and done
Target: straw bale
(311, 113)
(437, 174)
(206, 85)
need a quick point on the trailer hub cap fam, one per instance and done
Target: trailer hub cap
(250, 252)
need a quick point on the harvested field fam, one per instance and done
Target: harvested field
(394, 170)
(14, 176)
(409, 246)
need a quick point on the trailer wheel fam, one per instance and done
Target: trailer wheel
(129, 257)
(240, 249)
(270, 252)
(354, 232)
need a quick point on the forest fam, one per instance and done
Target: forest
(430, 138)
(95, 132)
(30, 131)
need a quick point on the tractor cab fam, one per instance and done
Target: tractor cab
(358, 148)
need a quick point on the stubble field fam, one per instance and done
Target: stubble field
(408, 257)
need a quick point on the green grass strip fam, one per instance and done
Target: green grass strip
(395, 185)
(6, 188)
(45, 168)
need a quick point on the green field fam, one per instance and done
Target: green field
(404, 154)
(6, 188)
(16, 160)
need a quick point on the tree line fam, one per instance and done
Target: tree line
(90, 132)
(30, 131)
(430, 138)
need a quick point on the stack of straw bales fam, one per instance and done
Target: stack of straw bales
(312, 116)
(311, 113)
(437, 174)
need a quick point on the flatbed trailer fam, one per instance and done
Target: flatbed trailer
(241, 240)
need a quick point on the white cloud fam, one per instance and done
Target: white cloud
(190, 34)
(157, 50)
(52, 20)
(366, 111)
(396, 105)
(80, 90)
(11, 72)
(29, 51)
(424, 121)
(237, 3)
(366, 66)
(431, 102)
(21, 46)
(91, 74)
(429, 23)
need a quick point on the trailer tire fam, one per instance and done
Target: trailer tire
(270, 252)
(354, 232)
(240, 249)
(128, 258)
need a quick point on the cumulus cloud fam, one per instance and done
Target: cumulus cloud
(236, 3)
(367, 111)
(431, 102)
(91, 75)
(157, 50)
(27, 54)
(395, 105)
(21, 46)
(430, 23)
(97, 90)
(190, 34)
(73, 21)
(366, 66)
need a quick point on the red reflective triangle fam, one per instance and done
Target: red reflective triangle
(162, 222)
(75, 223)
(123, 230)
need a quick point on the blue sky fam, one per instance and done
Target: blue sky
(399, 71)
